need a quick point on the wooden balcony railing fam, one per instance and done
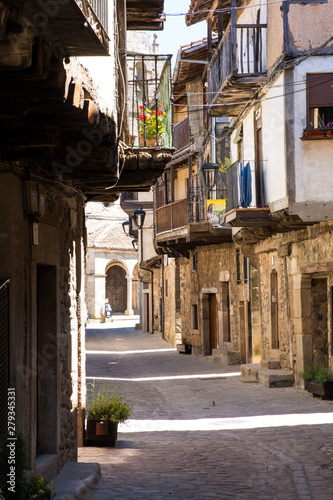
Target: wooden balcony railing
(172, 216)
(241, 52)
(100, 7)
(181, 134)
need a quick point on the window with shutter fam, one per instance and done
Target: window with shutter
(319, 98)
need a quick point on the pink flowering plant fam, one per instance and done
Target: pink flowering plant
(152, 119)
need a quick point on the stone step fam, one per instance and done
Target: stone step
(270, 364)
(227, 356)
(276, 378)
(250, 371)
(249, 380)
(268, 378)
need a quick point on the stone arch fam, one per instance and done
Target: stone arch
(116, 286)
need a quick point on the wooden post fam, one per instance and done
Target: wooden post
(209, 40)
(233, 36)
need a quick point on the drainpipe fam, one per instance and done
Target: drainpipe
(213, 136)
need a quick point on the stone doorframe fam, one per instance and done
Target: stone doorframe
(302, 323)
(205, 339)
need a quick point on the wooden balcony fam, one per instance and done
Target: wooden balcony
(176, 234)
(81, 27)
(246, 196)
(181, 134)
(172, 216)
(237, 69)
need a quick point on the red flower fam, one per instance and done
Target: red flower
(159, 112)
(141, 116)
(140, 107)
(154, 112)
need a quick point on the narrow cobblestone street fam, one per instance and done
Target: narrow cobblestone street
(197, 432)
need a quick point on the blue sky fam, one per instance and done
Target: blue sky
(175, 32)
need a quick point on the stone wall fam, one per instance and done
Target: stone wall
(46, 332)
(170, 302)
(304, 266)
(215, 264)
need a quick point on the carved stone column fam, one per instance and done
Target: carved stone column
(129, 311)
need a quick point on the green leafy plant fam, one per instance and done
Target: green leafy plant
(317, 372)
(225, 165)
(151, 120)
(37, 485)
(108, 405)
(309, 128)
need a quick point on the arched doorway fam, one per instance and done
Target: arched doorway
(116, 288)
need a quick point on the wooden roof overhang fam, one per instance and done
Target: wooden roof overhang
(235, 93)
(75, 25)
(201, 10)
(145, 14)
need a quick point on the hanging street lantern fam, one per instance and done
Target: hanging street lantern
(139, 217)
(210, 171)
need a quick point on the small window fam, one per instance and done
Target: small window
(245, 269)
(130, 195)
(238, 266)
(194, 261)
(195, 317)
(320, 98)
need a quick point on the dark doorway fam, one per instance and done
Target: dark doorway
(116, 288)
(213, 333)
(320, 320)
(46, 360)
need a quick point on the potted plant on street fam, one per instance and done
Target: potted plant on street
(185, 347)
(318, 380)
(106, 409)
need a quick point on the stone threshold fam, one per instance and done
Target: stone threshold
(268, 377)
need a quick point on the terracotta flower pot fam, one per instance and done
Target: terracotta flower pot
(101, 433)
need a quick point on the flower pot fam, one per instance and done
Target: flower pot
(101, 433)
(324, 390)
(149, 142)
(184, 348)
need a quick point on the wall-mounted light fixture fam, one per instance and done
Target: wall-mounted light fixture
(135, 244)
(126, 227)
(210, 171)
(139, 217)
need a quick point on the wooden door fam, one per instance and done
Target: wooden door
(274, 311)
(242, 332)
(213, 333)
(116, 289)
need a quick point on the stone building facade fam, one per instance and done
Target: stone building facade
(111, 262)
(64, 137)
(276, 90)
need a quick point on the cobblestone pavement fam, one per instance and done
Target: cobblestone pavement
(197, 432)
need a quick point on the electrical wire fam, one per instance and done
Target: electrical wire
(257, 100)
